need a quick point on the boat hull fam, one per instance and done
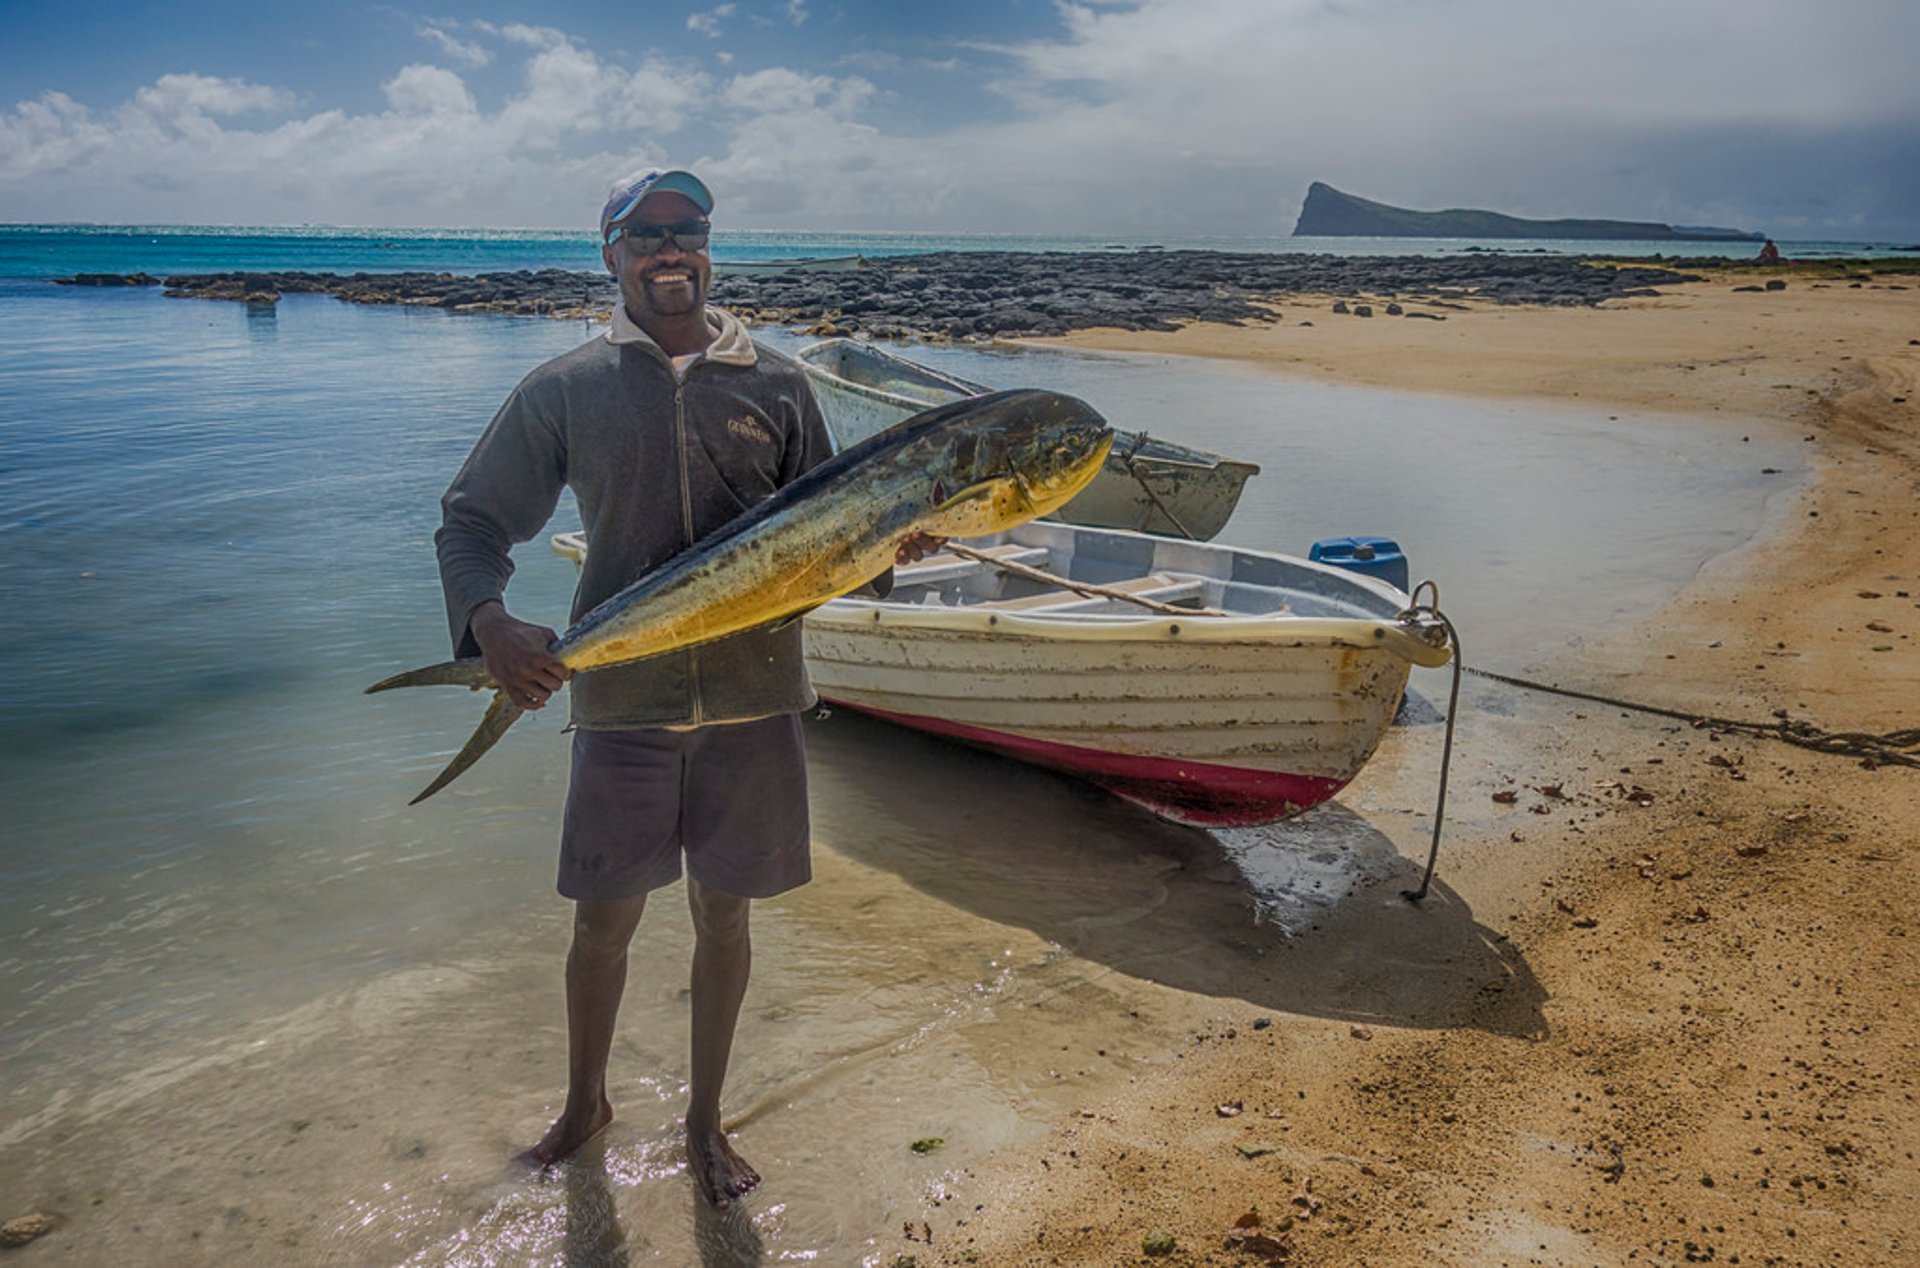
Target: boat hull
(1147, 485)
(1212, 720)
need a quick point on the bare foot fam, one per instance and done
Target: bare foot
(568, 1133)
(722, 1174)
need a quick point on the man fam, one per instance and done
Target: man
(668, 427)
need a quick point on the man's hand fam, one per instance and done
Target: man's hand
(516, 655)
(916, 546)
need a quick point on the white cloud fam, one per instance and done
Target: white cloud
(796, 11)
(192, 95)
(708, 23)
(432, 156)
(419, 89)
(463, 52)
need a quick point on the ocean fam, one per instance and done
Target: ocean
(259, 1009)
(43, 251)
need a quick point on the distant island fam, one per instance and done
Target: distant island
(1328, 213)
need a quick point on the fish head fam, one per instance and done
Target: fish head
(1010, 457)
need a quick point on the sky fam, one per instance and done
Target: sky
(1123, 117)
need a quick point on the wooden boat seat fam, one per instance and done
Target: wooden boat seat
(943, 566)
(1158, 586)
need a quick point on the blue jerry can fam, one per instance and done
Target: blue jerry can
(1375, 556)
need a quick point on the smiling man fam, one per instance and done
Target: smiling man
(666, 428)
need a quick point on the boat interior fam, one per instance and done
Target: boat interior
(1130, 566)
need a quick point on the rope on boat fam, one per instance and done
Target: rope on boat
(1893, 748)
(1432, 609)
(1087, 588)
(1133, 464)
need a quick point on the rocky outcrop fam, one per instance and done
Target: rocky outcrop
(989, 294)
(1329, 213)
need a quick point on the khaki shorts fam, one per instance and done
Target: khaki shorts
(731, 799)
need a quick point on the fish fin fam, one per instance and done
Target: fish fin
(470, 673)
(501, 714)
(785, 621)
(982, 491)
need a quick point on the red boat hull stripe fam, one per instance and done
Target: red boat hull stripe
(1206, 793)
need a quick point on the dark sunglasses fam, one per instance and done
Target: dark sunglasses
(688, 235)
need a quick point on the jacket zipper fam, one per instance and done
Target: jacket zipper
(686, 523)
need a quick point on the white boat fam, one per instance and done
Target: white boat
(801, 264)
(1148, 484)
(1259, 688)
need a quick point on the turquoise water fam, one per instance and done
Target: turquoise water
(62, 250)
(262, 1011)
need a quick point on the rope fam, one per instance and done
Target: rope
(1078, 587)
(1432, 608)
(1893, 748)
(1132, 461)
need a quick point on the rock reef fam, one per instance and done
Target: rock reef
(959, 295)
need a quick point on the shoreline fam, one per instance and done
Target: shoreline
(1705, 1049)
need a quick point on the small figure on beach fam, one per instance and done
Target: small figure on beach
(1769, 254)
(665, 428)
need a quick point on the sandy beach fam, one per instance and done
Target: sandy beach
(1684, 1030)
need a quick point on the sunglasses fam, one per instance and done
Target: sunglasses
(688, 235)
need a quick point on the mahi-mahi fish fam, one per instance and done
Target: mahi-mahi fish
(968, 469)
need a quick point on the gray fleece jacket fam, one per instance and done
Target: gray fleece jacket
(655, 462)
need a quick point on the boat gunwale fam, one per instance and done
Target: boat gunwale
(1278, 631)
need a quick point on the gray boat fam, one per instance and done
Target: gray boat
(1148, 484)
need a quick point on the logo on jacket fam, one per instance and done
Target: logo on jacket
(747, 427)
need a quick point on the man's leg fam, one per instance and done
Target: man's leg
(596, 978)
(722, 958)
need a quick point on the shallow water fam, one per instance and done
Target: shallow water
(258, 1008)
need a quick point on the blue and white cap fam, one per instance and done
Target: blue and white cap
(631, 190)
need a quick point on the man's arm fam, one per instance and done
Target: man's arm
(503, 495)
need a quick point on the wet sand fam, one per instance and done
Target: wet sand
(1660, 1006)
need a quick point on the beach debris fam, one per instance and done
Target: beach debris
(1360, 1032)
(1232, 1109)
(1158, 1243)
(921, 1232)
(1255, 1151)
(25, 1228)
(1247, 1238)
(1700, 916)
(1507, 796)
(1304, 1199)
(1586, 922)
(927, 1144)
(977, 466)
(1749, 851)
(1551, 790)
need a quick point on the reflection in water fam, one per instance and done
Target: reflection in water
(263, 321)
(594, 1238)
(725, 1239)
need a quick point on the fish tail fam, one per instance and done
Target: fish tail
(501, 714)
(470, 673)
